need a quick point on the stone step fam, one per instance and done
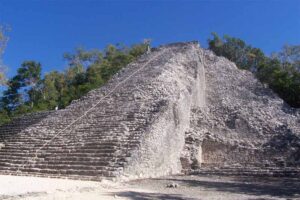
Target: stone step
(105, 149)
(57, 149)
(79, 154)
(249, 168)
(55, 146)
(250, 171)
(44, 170)
(103, 165)
(66, 157)
(70, 137)
(278, 172)
(271, 174)
(61, 176)
(63, 138)
(34, 140)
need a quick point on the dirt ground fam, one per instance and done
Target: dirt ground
(188, 188)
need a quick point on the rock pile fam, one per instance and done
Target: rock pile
(244, 124)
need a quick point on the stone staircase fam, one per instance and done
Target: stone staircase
(292, 172)
(98, 148)
(20, 123)
(94, 137)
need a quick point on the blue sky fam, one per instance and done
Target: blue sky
(43, 30)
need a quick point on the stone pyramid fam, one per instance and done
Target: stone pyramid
(177, 108)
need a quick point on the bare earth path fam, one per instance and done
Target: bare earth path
(189, 187)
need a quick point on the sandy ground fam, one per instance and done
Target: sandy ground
(189, 188)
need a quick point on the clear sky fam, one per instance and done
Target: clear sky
(43, 30)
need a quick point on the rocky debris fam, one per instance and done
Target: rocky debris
(172, 185)
(243, 124)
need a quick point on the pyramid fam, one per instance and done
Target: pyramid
(176, 109)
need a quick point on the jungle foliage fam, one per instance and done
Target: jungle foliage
(280, 71)
(28, 91)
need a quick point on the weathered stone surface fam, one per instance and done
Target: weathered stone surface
(176, 108)
(244, 123)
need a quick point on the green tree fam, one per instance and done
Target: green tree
(51, 91)
(281, 71)
(11, 97)
(22, 90)
(28, 91)
(216, 44)
(290, 54)
(30, 78)
(4, 117)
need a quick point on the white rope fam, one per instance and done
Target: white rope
(86, 112)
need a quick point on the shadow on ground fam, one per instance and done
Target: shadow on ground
(198, 187)
(258, 187)
(152, 196)
(275, 187)
(23, 196)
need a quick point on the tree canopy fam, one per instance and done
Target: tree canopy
(281, 71)
(29, 92)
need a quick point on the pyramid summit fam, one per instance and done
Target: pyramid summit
(178, 108)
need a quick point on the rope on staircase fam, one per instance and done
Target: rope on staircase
(91, 108)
